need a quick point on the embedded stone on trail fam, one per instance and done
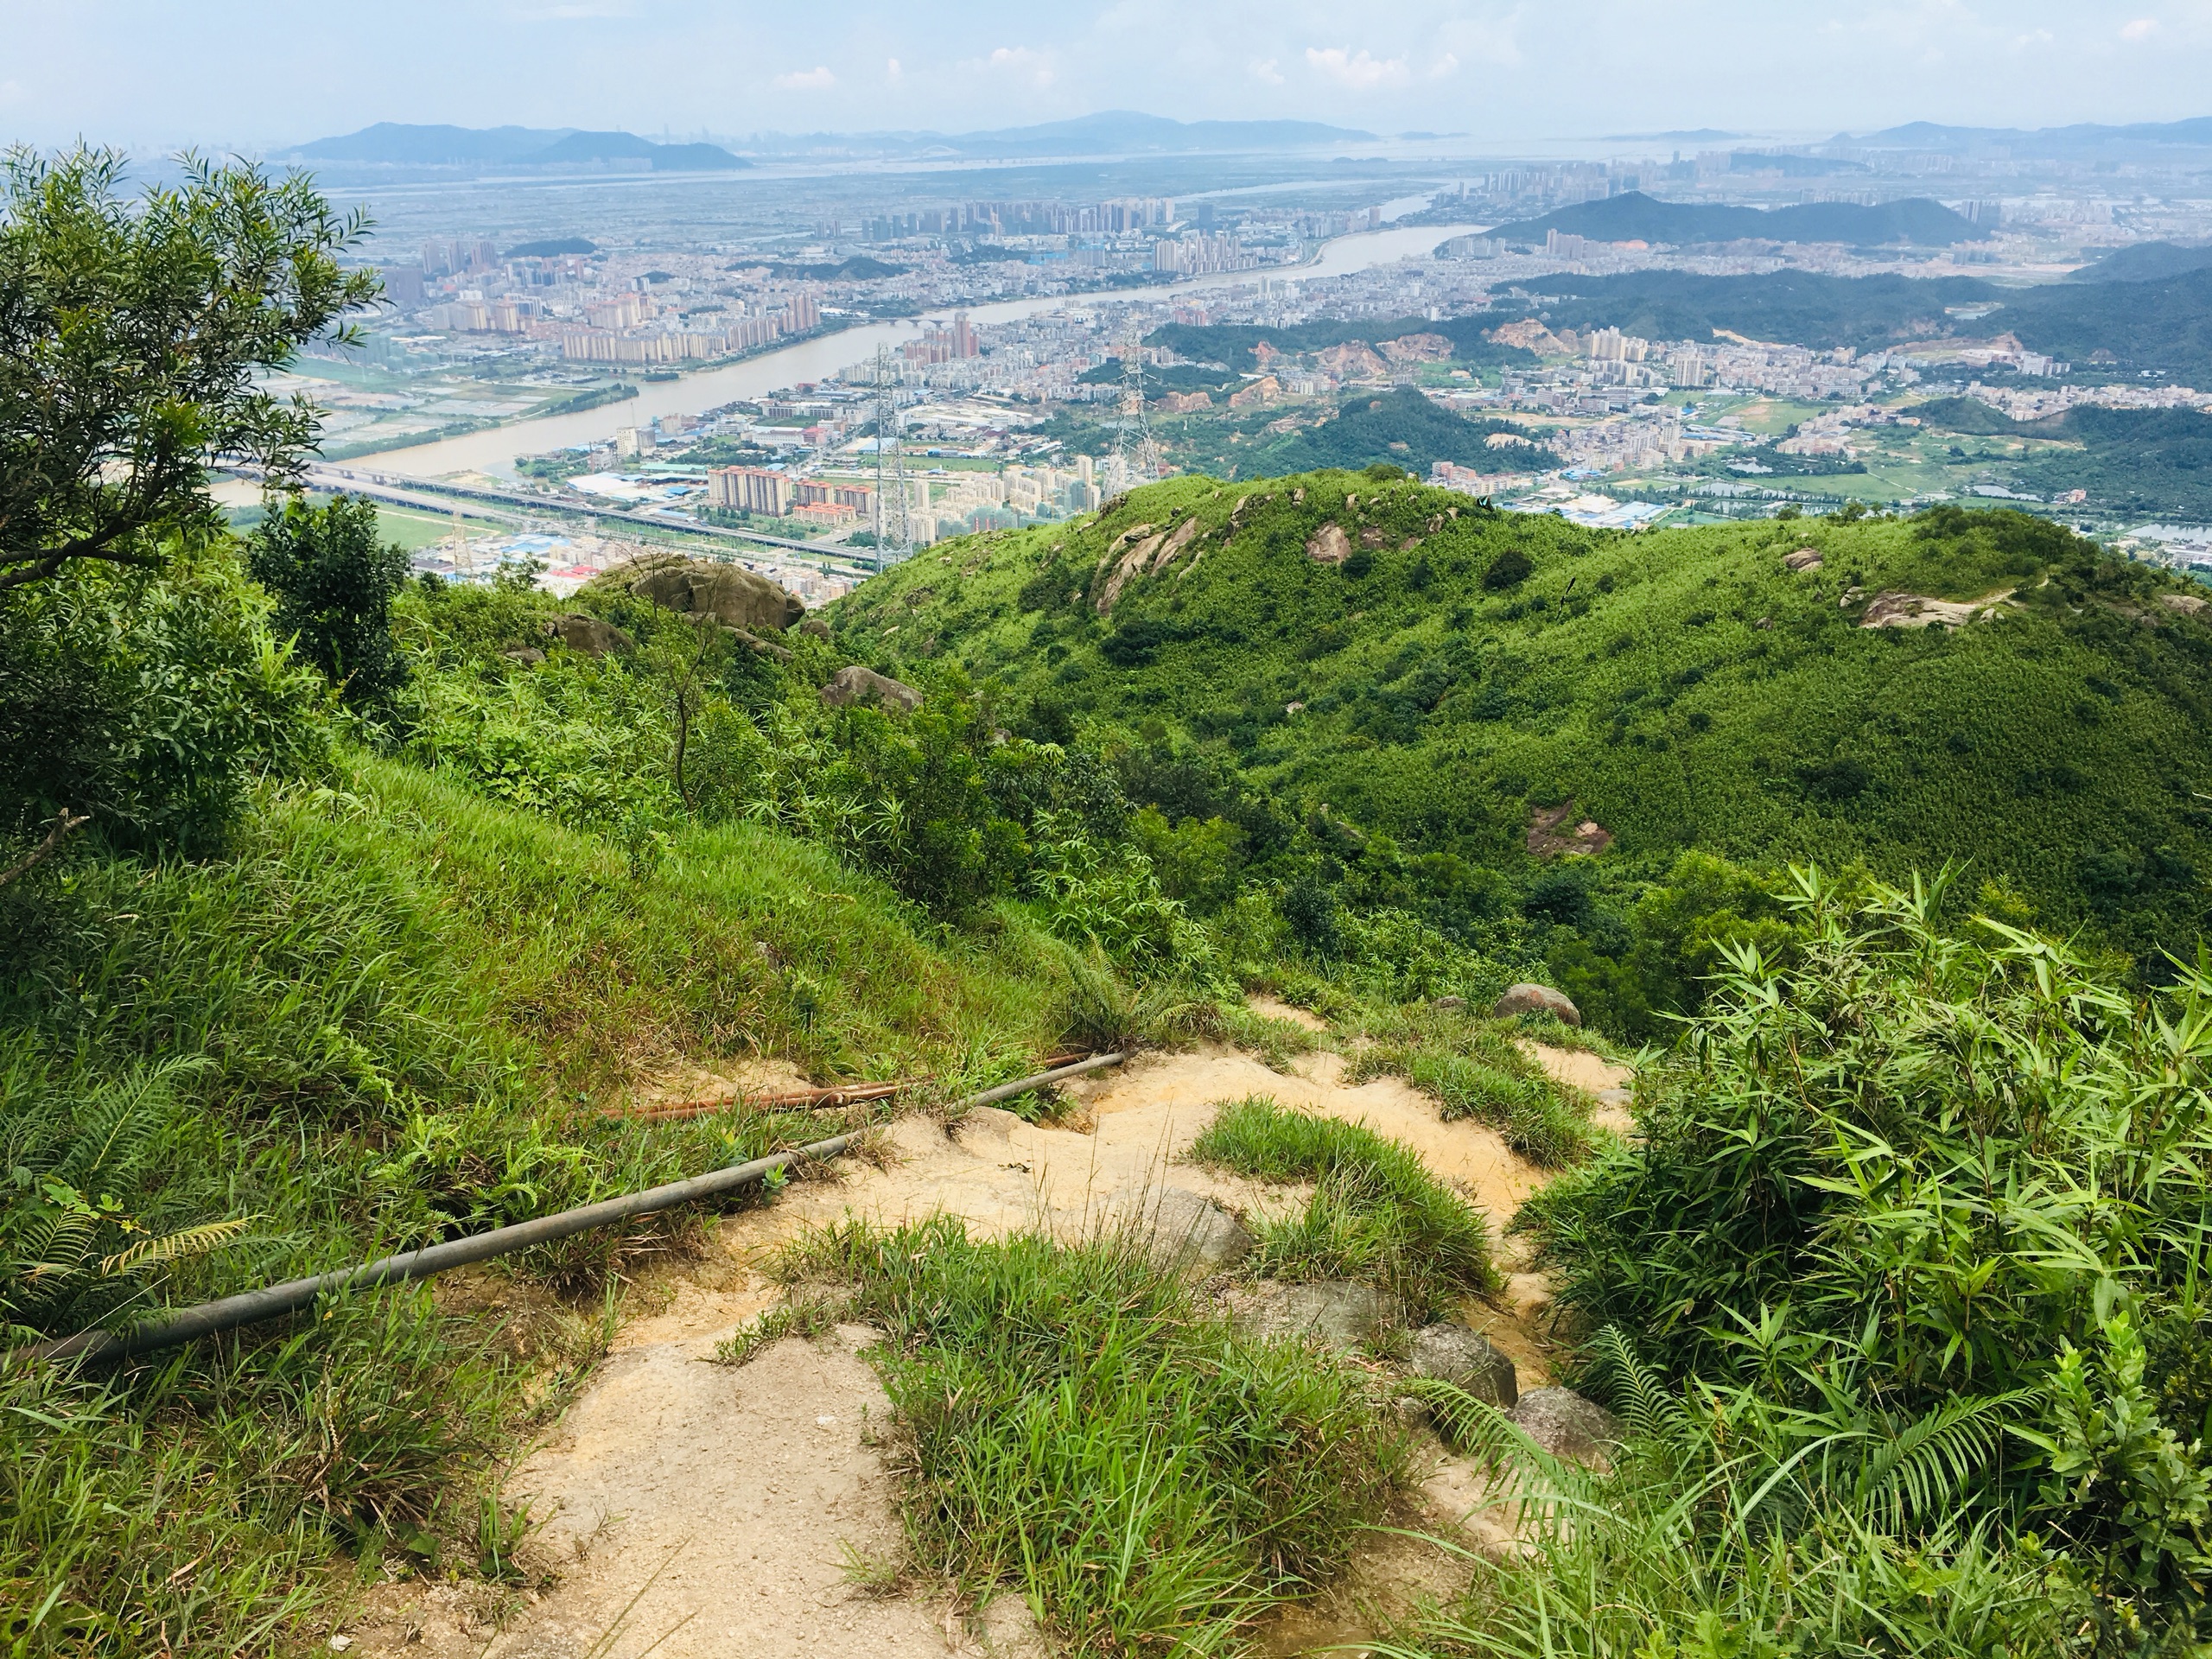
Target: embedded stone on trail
(1337, 1314)
(1536, 999)
(1187, 1228)
(1466, 1359)
(856, 684)
(1566, 1425)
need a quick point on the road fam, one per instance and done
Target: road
(441, 497)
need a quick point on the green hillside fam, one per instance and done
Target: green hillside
(1461, 671)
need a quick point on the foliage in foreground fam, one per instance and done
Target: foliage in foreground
(1077, 1433)
(1728, 1529)
(390, 1015)
(1920, 1226)
(1377, 1214)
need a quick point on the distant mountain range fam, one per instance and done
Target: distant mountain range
(2146, 262)
(2040, 142)
(389, 143)
(1635, 216)
(392, 143)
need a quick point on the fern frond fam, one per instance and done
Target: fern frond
(151, 1253)
(1913, 1472)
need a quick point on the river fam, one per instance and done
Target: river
(493, 449)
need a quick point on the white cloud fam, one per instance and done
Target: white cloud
(2141, 29)
(817, 79)
(1447, 65)
(1359, 70)
(1267, 70)
(1035, 67)
(893, 70)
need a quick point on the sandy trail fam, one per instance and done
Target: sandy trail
(712, 1510)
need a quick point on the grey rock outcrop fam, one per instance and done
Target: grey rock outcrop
(734, 598)
(1466, 1359)
(1804, 559)
(1333, 1312)
(1537, 999)
(588, 634)
(1566, 1425)
(856, 684)
(1187, 1228)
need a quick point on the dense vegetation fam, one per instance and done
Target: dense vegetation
(1403, 427)
(2139, 461)
(1902, 1297)
(1235, 346)
(1382, 732)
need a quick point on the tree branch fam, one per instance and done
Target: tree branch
(37, 566)
(65, 823)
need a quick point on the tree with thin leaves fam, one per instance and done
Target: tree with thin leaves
(134, 335)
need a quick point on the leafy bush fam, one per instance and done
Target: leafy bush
(334, 584)
(1916, 1175)
(150, 702)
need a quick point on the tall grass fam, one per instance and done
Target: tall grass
(1377, 1214)
(392, 1013)
(1076, 1430)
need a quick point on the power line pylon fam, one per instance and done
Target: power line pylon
(1135, 459)
(894, 531)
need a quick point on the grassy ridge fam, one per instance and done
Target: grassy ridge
(1683, 689)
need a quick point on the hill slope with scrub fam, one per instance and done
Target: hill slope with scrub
(1367, 650)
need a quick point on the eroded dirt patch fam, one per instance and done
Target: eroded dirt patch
(720, 1506)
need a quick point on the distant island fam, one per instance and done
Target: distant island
(396, 144)
(390, 144)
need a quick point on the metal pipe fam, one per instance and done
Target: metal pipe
(249, 1307)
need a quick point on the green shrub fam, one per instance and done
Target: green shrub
(150, 701)
(1916, 1175)
(334, 584)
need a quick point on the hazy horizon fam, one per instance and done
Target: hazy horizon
(253, 75)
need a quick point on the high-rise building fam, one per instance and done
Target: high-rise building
(963, 336)
(750, 489)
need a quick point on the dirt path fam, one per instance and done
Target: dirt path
(713, 1510)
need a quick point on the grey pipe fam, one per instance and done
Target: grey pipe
(249, 1307)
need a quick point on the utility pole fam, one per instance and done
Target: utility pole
(1135, 459)
(894, 531)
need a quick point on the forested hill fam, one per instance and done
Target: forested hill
(1442, 674)
(2163, 323)
(1633, 216)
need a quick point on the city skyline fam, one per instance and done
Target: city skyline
(251, 76)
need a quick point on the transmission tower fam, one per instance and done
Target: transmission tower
(894, 530)
(1135, 459)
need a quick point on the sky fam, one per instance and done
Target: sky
(254, 74)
